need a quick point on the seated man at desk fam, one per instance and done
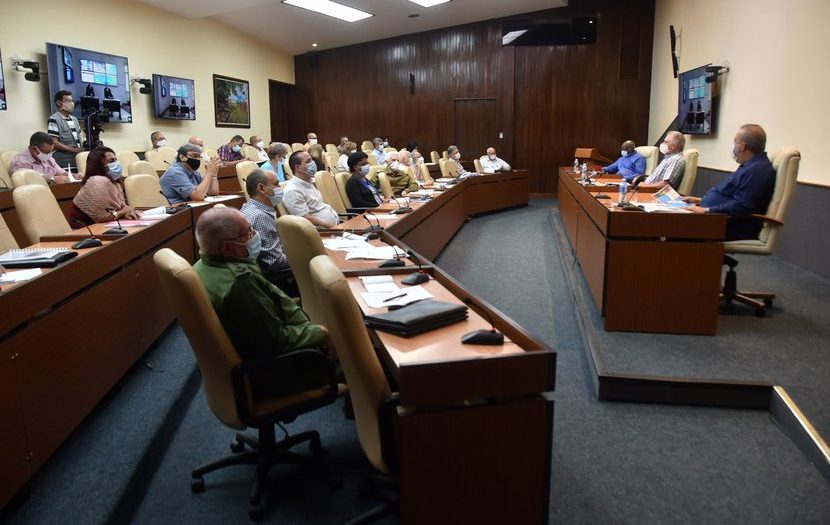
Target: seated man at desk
(378, 150)
(182, 182)
(455, 156)
(259, 144)
(302, 198)
(671, 168)
(630, 164)
(231, 153)
(157, 140)
(746, 191)
(261, 320)
(491, 163)
(399, 176)
(38, 157)
(265, 193)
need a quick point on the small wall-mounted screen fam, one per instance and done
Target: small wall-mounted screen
(695, 102)
(174, 97)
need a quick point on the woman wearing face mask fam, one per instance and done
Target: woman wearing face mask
(101, 198)
(361, 192)
(416, 163)
(399, 176)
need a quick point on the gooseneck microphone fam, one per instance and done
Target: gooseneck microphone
(481, 336)
(92, 242)
(115, 231)
(394, 262)
(401, 209)
(172, 208)
(633, 189)
(373, 229)
(415, 278)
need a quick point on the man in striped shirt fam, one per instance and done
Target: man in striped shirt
(65, 128)
(670, 170)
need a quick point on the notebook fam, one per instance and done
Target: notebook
(34, 258)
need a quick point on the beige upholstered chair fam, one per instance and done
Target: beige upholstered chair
(126, 158)
(80, 162)
(433, 155)
(425, 174)
(167, 155)
(389, 150)
(6, 159)
(251, 153)
(154, 158)
(442, 163)
(477, 164)
(39, 212)
(445, 155)
(7, 241)
(296, 146)
(243, 169)
(227, 386)
(331, 160)
(367, 146)
(302, 242)
(341, 179)
(687, 183)
(144, 191)
(142, 166)
(286, 169)
(210, 152)
(785, 162)
(651, 154)
(5, 177)
(449, 169)
(27, 176)
(324, 181)
(373, 159)
(331, 148)
(384, 185)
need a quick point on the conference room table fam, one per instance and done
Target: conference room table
(647, 272)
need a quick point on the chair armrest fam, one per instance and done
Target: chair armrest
(768, 219)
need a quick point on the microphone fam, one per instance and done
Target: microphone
(115, 231)
(401, 209)
(415, 278)
(373, 229)
(481, 336)
(92, 242)
(396, 261)
(635, 186)
(172, 208)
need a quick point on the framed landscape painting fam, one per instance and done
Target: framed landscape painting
(231, 98)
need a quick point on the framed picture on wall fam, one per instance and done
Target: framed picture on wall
(2, 85)
(231, 99)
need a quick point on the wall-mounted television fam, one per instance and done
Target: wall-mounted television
(695, 102)
(174, 97)
(99, 82)
(2, 86)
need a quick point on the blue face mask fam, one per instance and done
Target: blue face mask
(237, 148)
(276, 198)
(364, 170)
(115, 170)
(311, 168)
(254, 247)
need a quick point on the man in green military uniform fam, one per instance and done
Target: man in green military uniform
(259, 318)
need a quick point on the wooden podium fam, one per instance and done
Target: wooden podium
(591, 154)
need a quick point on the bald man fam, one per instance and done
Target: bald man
(259, 318)
(630, 164)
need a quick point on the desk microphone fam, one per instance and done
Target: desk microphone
(394, 262)
(115, 231)
(634, 188)
(415, 278)
(373, 229)
(92, 242)
(481, 336)
(172, 208)
(401, 209)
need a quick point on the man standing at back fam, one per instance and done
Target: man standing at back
(66, 129)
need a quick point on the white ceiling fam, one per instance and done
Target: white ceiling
(294, 30)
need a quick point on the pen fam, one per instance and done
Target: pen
(394, 297)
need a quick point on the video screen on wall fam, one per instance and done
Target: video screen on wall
(695, 102)
(174, 97)
(99, 82)
(2, 85)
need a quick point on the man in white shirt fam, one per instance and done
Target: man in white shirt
(257, 142)
(671, 169)
(302, 198)
(378, 151)
(490, 163)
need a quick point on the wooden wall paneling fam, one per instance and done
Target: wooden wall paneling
(13, 449)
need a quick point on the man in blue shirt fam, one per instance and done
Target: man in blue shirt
(630, 164)
(378, 151)
(182, 182)
(746, 191)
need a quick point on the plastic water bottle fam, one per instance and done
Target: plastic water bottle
(623, 191)
(584, 171)
(576, 166)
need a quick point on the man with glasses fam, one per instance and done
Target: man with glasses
(261, 320)
(39, 157)
(182, 182)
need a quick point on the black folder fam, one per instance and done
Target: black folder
(418, 317)
(29, 258)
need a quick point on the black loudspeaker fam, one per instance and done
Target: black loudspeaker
(411, 80)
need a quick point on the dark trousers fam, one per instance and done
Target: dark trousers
(283, 279)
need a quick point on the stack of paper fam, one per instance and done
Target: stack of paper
(379, 284)
(154, 214)
(378, 253)
(344, 244)
(19, 275)
(398, 297)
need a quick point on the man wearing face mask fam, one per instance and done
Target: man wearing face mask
(261, 320)
(158, 140)
(361, 192)
(671, 168)
(630, 164)
(182, 182)
(101, 198)
(302, 198)
(746, 191)
(231, 153)
(259, 144)
(455, 158)
(265, 193)
(378, 151)
(311, 139)
(399, 175)
(341, 148)
(490, 163)
(65, 128)
(38, 157)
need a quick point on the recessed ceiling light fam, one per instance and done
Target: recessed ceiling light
(329, 8)
(511, 36)
(314, 44)
(590, 21)
(429, 3)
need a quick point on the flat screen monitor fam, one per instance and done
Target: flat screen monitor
(695, 102)
(2, 86)
(174, 97)
(99, 82)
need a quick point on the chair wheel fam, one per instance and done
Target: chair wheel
(197, 485)
(237, 446)
(255, 512)
(768, 302)
(760, 312)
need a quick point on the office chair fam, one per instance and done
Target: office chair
(210, 152)
(687, 183)
(27, 176)
(442, 163)
(367, 146)
(433, 155)
(141, 167)
(372, 158)
(80, 162)
(243, 169)
(126, 158)
(324, 181)
(341, 179)
(144, 191)
(167, 156)
(250, 153)
(39, 212)
(477, 164)
(153, 157)
(331, 148)
(7, 240)
(296, 146)
(425, 173)
(227, 382)
(384, 185)
(651, 154)
(785, 162)
(302, 243)
(5, 159)
(286, 169)
(373, 402)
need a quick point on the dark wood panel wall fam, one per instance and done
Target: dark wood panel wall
(550, 99)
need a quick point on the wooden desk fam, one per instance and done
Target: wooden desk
(647, 272)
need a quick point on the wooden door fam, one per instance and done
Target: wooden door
(278, 94)
(476, 126)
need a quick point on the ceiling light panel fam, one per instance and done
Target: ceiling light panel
(428, 3)
(329, 8)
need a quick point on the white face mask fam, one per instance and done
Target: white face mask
(623, 153)
(260, 144)
(43, 157)
(161, 143)
(491, 157)
(456, 156)
(394, 165)
(664, 148)
(312, 141)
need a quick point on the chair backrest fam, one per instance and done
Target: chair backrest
(373, 159)
(39, 212)
(445, 155)
(331, 148)
(141, 167)
(687, 183)
(442, 163)
(243, 169)
(324, 181)
(211, 345)
(80, 161)
(167, 155)
(425, 173)
(477, 164)
(4, 169)
(384, 185)
(296, 146)
(433, 155)
(250, 153)
(6, 159)
(389, 150)
(27, 176)
(7, 241)
(210, 152)
(302, 243)
(286, 170)
(142, 191)
(341, 179)
(367, 145)
(331, 160)
(651, 154)
(126, 158)
(368, 387)
(154, 159)
(786, 162)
